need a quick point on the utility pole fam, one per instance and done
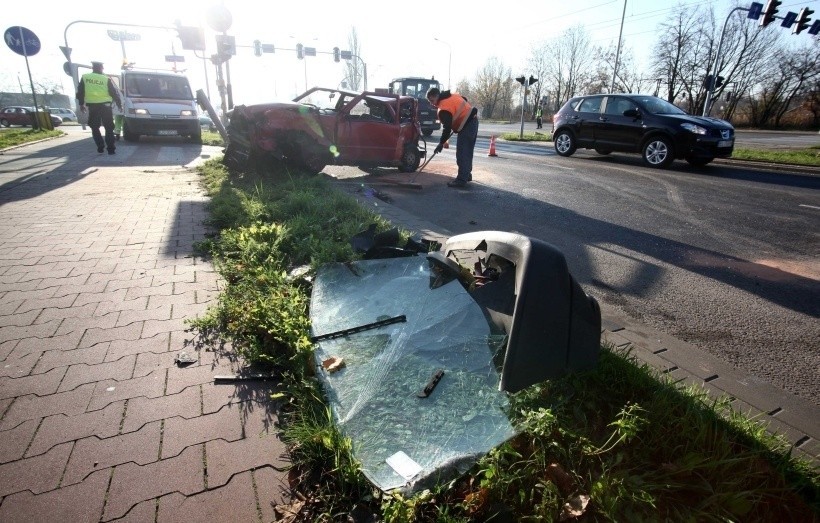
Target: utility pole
(618, 52)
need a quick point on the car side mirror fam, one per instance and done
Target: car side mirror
(632, 113)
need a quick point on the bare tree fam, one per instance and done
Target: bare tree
(355, 66)
(795, 78)
(569, 67)
(537, 67)
(48, 86)
(629, 79)
(492, 88)
(683, 51)
(750, 57)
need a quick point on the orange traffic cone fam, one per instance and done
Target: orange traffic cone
(492, 147)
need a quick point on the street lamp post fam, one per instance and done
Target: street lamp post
(618, 52)
(449, 60)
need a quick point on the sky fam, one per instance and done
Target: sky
(395, 39)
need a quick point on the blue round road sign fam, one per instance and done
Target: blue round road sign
(22, 41)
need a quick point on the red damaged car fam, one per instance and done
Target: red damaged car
(328, 127)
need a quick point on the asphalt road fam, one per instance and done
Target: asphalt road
(723, 257)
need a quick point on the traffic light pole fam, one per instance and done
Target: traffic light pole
(707, 105)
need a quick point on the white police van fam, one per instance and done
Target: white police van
(158, 103)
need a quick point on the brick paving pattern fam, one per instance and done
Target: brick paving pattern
(97, 278)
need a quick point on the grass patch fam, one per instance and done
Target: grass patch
(528, 137)
(634, 445)
(212, 138)
(809, 156)
(12, 137)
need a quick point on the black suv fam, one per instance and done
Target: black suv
(642, 124)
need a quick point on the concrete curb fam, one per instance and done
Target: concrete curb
(794, 418)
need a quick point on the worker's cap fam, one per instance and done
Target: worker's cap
(96, 64)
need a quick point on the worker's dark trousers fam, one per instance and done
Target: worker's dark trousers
(100, 114)
(465, 145)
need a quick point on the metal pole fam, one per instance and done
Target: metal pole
(618, 52)
(122, 44)
(711, 87)
(449, 60)
(523, 103)
(36, 124)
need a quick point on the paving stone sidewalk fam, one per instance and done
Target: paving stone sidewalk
(97, 278)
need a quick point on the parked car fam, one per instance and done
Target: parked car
(206, 123)
(66, 114)
(17, 115)
(632, 123)
(328, 126)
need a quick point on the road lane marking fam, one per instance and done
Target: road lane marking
(809, 206)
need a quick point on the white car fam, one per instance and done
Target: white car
(66, 114)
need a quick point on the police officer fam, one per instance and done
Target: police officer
(457, 116)
(95, 94)
(538, 118)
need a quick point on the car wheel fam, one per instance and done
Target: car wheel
(427, 132)
(410, 160)
(5, 123)
(564, 143)
(657, 152)
(699, 162)
(602, 151)
(196, 137)
(313, 163)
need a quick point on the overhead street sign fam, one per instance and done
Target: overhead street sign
(122, 36)
(22, 41)
(174, 58)
(755, 11)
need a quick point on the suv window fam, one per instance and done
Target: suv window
(590, 105)
(617, 106)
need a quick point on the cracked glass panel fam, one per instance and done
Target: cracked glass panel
(375, 395)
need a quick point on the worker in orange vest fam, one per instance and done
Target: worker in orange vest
(456, 116)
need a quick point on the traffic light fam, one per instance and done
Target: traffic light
(257, 48)
(192, 38)
(522, 80)
(337, 54)
(300, 51)
(803, 20)
(719, 81)
(707, 82)
(533, 80)
(226, 45)
(769, 12)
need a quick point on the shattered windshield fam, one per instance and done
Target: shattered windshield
(417, 393)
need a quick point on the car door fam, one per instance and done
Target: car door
(616, 131)
(587, 119)
(365, 133)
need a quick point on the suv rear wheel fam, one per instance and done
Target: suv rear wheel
(657, 152)
(565, 143)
